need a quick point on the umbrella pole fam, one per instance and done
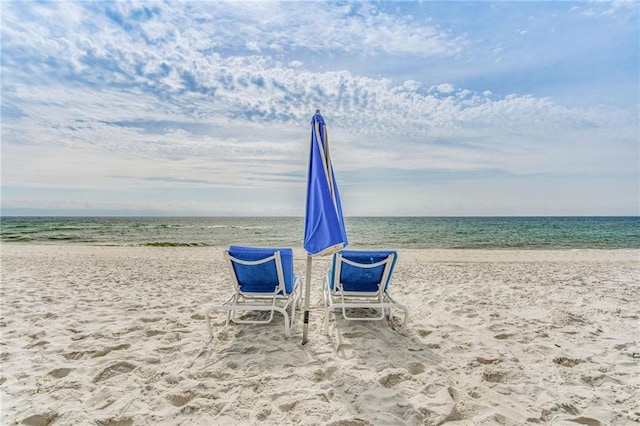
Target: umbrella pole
(307, 295)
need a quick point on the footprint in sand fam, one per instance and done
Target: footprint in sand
(287, 406)
(589, 421)
(414, 368)
(59, 373)
(424, 332)
(596, 379)
(42, 419)
(116, 421)
(350, 422)
(116, 369)
(178, 400)
(250, 350)
(488, 361)
(345, 351)
(263, 414)
(77, 354)
(40, 343)
(393, 377)
(150, 319)
(494, 375)
(171, 337)
(503, 336)
(38, 335)
(567, 362)
(105, 351)
(320, 374)
(354, 334)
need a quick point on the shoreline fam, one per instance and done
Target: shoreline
(116, 335)
(299, 251)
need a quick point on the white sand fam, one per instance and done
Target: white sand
(116, 336)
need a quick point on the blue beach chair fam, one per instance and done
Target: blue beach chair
(263, 280)
(360, 279)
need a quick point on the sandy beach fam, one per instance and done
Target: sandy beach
(116, 336)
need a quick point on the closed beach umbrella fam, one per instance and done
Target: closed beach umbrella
(324, 232)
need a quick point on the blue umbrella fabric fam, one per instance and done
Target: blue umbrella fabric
(324, 230)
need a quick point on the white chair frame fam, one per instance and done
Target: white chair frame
(379, 299)
(276, 301)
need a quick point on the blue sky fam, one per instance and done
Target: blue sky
(432, 108)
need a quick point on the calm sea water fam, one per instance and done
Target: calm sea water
(381, 232)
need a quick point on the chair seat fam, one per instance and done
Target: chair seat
(262, 280)
(363, 276)
(360, 279)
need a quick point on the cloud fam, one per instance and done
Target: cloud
(620, 9)
(443, 88)
(197, 95)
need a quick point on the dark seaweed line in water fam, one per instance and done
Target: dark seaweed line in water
(168, 244)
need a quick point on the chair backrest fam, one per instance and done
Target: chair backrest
(261, 277)
(363, 270)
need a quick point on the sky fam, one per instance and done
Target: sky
(203, 108)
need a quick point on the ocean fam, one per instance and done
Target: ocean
(363, 232)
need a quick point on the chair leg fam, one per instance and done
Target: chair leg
(206, 316)
(287, 331)
(325, 321)
(325, 302)
(232, 306)
(293, 311)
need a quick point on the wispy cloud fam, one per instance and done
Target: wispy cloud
(217, 95)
